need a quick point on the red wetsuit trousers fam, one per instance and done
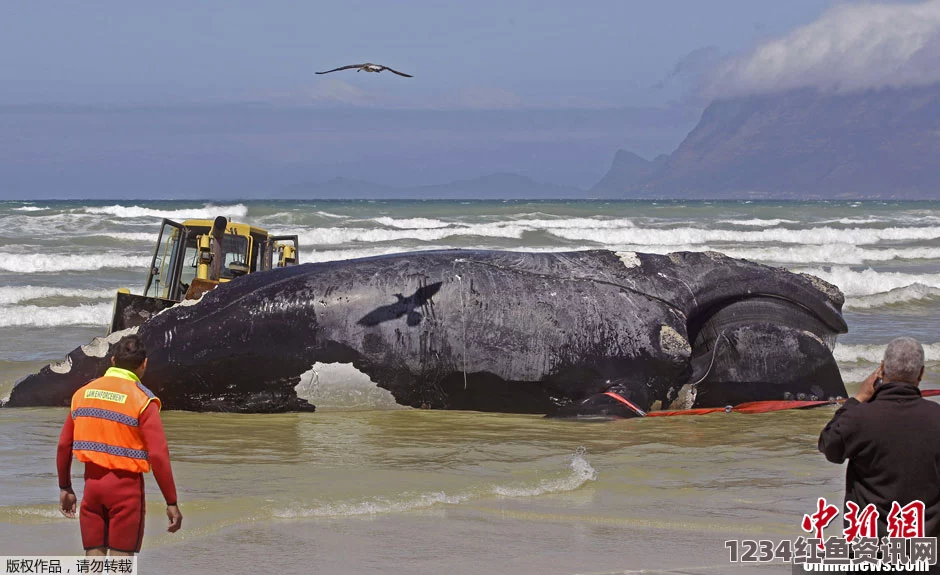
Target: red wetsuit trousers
(112, 510)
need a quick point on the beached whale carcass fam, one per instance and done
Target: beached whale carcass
(491, 331)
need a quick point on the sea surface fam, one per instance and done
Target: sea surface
(363, 486)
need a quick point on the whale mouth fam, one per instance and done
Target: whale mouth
(762, 348)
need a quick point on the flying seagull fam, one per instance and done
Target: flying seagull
(367, 67)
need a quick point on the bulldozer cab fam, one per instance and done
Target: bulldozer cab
(182, 260)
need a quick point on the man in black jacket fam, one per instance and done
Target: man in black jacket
(891, 437)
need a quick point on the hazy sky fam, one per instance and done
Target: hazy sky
(481, 54)
(546, 89)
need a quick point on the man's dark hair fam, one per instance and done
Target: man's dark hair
(220, 223)
(129, 352)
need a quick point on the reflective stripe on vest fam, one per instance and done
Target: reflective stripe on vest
(106, 413)
(110, 449)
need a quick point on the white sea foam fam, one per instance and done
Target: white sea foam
(334, 236)
(412, 223)
(907, 294)
(47, 263)
(574, 223)
(424, 229)
(349, 254)
(692, 236)
(329, 215)
(799, 255)
(312, 256)
(375, 506)
(10, 295)
(208, 211)
(580, 473)
(844, 254)
(36, 316)
(44, 225)
(130, 236)
(758, 222)
(32, 511)
(875, 353)
(855, 374)
(29, 209)
(851, 221)
(832, 253)
(618, 231)
(870, 282)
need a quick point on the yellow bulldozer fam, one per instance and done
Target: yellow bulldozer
(181, 260)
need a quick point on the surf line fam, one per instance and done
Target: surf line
(748, 407)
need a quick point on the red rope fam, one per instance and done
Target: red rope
(624, 400)
(762, 406)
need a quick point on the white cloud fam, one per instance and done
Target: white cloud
(850, 47)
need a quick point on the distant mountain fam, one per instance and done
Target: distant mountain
(229, 151)
(797, 145)
(503, 186)
(628, 170)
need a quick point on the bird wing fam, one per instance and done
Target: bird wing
(397, 72)
(342, 68)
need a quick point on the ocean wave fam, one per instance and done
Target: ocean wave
(852, 221)
(830, 254)
(424, 229)
(46, 263)
(870, 282)
(37, 316)
(692, 236)
(129, 236)
(313, 256)
(45, 225)
(376, 506)
(29, 209)
(524, 216)
(578, 223)
(758, 222)
(334, 236)
(412, 223)
(329, 215)
(844, 254)
(30, 513)
(874, 353)
(906, 294)
(528, 224)
(580, 472)
(10, 295)
(209, 211)
(855, 374)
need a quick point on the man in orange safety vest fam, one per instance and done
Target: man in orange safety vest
(114, 427)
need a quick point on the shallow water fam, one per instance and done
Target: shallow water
(596, 487)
